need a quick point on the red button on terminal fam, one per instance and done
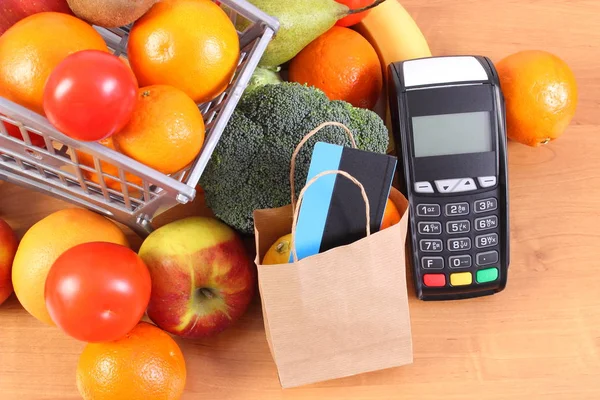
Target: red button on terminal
(434, 280)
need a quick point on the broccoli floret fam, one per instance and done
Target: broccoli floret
(250, 166)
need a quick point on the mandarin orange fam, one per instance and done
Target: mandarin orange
(343, 64)
(189, 44)
(391, 215)
(166, 131)
(541, 96)
(145, 365)
(109, 169)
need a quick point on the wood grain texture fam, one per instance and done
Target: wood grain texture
(539, 339)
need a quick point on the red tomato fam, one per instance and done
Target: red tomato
(354, 5)
(90, 95)
(14, 131)
(97, 292)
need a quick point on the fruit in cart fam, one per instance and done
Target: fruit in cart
(540, 92)
(108, 169)
(33, 47)
(8, 248)
(250, 166)
(354, 19)
(12, 11)
(90, 95)
(147, 364)
(110, 13)
(166, 131)
(202, 277)
(279, 252)
(15, 132)
(301, 22)
(391, 215)
(189, 44)
(45, 241)
(342, 64)
(97, 292)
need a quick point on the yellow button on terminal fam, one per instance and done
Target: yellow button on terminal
(461, 279)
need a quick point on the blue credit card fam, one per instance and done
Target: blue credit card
(332, 212)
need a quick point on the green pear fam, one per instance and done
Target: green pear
(301, 22)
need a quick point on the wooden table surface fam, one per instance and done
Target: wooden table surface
(539, 339)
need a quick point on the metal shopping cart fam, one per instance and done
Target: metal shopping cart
(53, 165)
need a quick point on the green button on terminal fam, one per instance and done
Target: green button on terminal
(487, 275)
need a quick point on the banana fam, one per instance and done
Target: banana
(394, 33)
(396, 37)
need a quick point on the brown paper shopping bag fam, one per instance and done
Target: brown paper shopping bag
(338, 313)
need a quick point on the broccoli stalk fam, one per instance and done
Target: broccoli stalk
(263, 76)
(250, 166)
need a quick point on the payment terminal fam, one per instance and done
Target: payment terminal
(448, 121)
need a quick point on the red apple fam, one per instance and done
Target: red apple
(8, 248)
(12, 11)
(202, 277)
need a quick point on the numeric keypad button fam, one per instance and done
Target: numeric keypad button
(487, 258)
(456, 209)
(460, 244)
(463, 261)
(485, 205)
(485, 223)
(432, 263)
(430, 245)
(428, 210)
(455, 227)
(487, 240)
(430, 228)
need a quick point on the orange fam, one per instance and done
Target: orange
(45, 241)
(110, 169)
(147, 364)
(166, 131)
(189, 44)
(33, 47)
(279, 253)
(540, 94)
(343, 64)
(391, 216)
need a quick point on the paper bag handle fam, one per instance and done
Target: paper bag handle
(301, 196)
(299, 147)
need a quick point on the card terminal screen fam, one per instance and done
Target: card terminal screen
(446, 134)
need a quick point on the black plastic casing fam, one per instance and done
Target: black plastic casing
(438, 99)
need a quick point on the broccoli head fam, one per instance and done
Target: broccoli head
(250, 166)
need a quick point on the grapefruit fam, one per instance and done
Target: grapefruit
(33, 47)
(45, 241)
